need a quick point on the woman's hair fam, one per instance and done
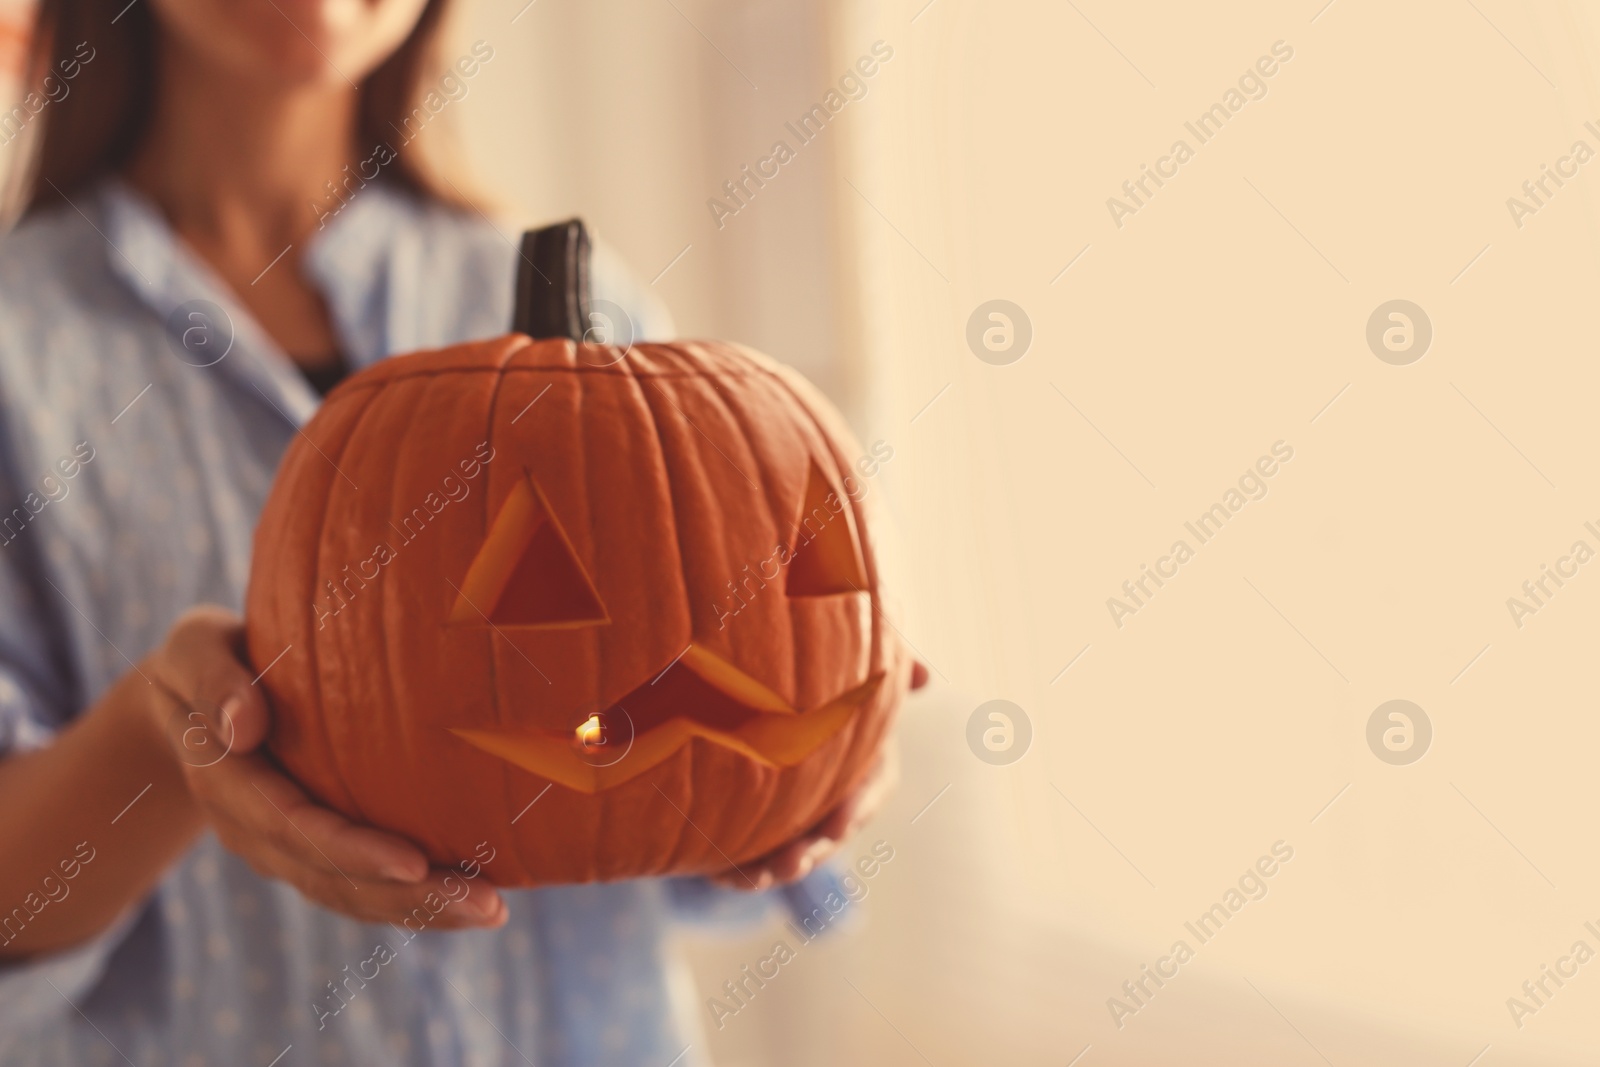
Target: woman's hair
(97, 125)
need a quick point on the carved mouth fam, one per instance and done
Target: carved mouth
(699, 696)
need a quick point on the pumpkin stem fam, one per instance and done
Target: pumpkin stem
(553, 282)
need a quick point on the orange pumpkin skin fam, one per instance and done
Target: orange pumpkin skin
(671, 474)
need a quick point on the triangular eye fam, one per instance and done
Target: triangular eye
(825, 560)
(526, 573)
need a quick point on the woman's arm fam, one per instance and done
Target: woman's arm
(186, 724)
(60, 803)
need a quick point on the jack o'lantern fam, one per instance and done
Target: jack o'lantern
(615, 612)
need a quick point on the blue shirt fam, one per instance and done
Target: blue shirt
(171, 451)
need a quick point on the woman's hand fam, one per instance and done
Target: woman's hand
(799, 857)
(216, 718)
(794, 861)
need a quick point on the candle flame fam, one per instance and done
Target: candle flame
(591, 734)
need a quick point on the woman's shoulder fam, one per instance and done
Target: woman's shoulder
(61, 307)
(53, 254)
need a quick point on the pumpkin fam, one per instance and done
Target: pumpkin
(615, 612)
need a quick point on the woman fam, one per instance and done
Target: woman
(225, 214)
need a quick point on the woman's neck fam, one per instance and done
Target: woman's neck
(236, 166)
(229, 159)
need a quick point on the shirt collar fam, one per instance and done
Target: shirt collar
(349, 261)
(358, 262)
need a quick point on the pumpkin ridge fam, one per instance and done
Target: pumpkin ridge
(869, 556)
(878, 653)
(672, 504)
(583, 479)
(321, 711)
(419, 810)
(311, 649)
(776, 375)
(490, 632)
(769, 794)
(686, 819)
(868, 553)
(773, 779)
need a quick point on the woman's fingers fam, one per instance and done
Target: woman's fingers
(316, 862)
(446, 900)
(216, 707)
(204, 730)
(776, 867)
(790, 863)
(220, 716)
(869, 799)
(247, 792)
(860, 806)
(799, 857)
(442, 900)
(919, 674)
(216, 715)
(753, 877)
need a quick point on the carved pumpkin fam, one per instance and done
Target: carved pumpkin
(615, 613)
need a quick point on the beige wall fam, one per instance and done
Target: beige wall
(1227, 314)
(1209, 326)
(1221, 318)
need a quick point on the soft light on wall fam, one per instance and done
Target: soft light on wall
(1214, 323)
